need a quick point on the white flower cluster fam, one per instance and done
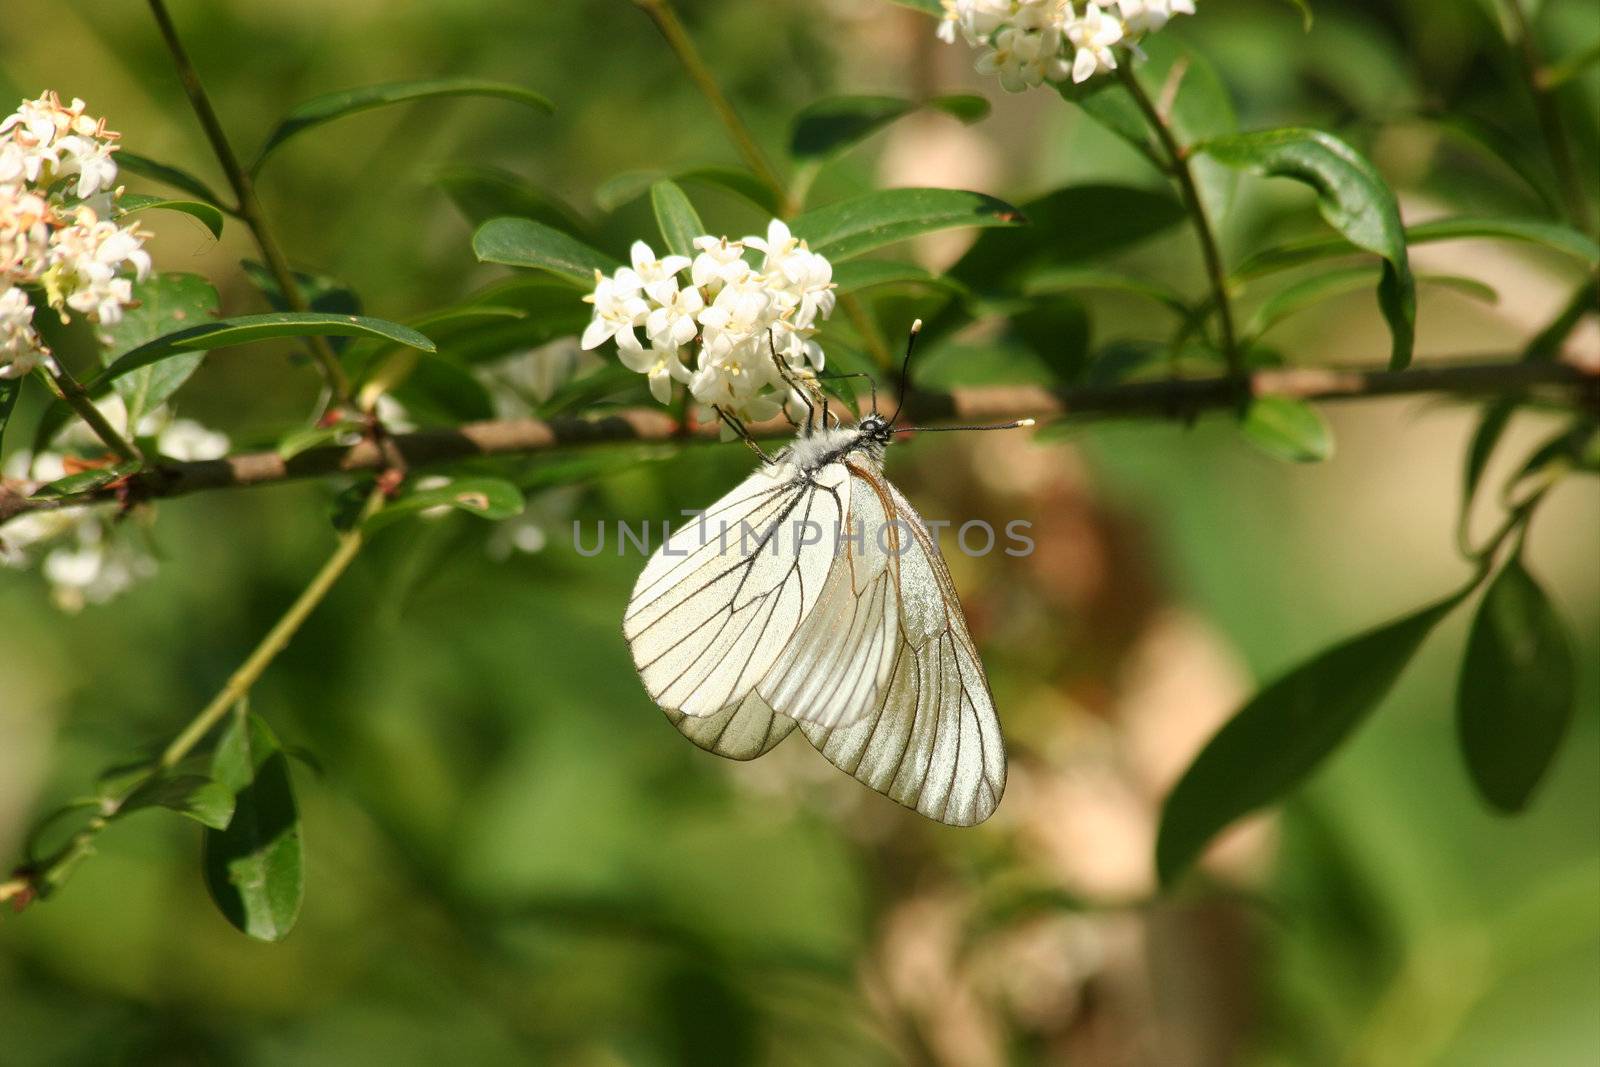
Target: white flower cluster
(52, 237)
(725, 333)
(86, 555)
(1029, 42)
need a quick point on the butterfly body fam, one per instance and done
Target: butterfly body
(813, 595)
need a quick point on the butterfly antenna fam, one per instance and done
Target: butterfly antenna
(1019, 424)
(905, 370)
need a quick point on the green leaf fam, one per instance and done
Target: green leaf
(1517, 691)
(1557, 74)
(526, 243)
(321, 291)
(245, 329)
(484, 193)
(167, 175)
(857, 275)
(1485, 439)
(927, 7)
(10, 389)
(164, 303)
(1353, 198)
(829, 127)
(1053, 280)
(209, 215)
(254, 868)
(1288, 429)
(199, 798)
(851, 227)
(84, 481)
(295, 442)
(1551, 235)
(443, 391)
(337, 105)
(487, 498)
(1068, 225)
(1311, 291)
(630, 185)
(1283, 734)
(677, 219)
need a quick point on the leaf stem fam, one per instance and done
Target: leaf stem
(1548, 110)
(662, 13)
(243, 679)
(67, 389)
(249, 206)
(1181, 171)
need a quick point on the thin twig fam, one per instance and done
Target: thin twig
(249, 207)
(1183, 174)
(665, 17)
(244, 679)
(70, 391)
(1168, 398)
(47, 875)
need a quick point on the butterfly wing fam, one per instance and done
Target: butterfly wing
(933, 741)
(722, 598)
(834, 669)
(742, 731)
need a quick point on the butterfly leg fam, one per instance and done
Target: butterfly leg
(743, 434)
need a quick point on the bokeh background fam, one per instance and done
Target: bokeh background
(513, 858)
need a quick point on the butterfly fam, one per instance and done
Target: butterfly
(814, 596)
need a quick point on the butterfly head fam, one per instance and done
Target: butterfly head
(875, 428)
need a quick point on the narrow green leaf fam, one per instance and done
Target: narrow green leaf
(209, 215)
(1353, 198)
(526, 243)
(857, 275)
(244, 329)
(1560, 73)
(1318, 288)
(1288, 429)
(630, 185)
(167, 175)
(484, 193)
(199, 798)
(1078, 279)
(676, 217)
(1552, 235)
(163, 303)
(830, 127)
(84, 481)
(1283, 734)
(1067, 226)
(487, 498)
(295, 442)
(851, 227)
(322, 291)
(337, 105)
(1517, 691)
(10, 389)
(1485, 439)
(254, 867)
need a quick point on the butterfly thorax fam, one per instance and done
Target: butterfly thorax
(865, 441)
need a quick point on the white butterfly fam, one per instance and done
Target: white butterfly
(813, 595)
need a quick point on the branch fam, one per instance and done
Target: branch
(1168, 398)
(249, 206)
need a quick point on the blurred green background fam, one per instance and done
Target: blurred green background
(513, 858)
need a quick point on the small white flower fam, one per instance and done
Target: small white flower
(663, 366)
(44, 140)
(1093, 35)
(672, 322)
(618, 308)
(188, 441)
(25, 222)
(650, 269)
(20, 347)
(720, 262)
(88, 264)
(1147, 16)
(99, 568)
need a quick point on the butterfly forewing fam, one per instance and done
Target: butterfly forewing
(720, 601)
